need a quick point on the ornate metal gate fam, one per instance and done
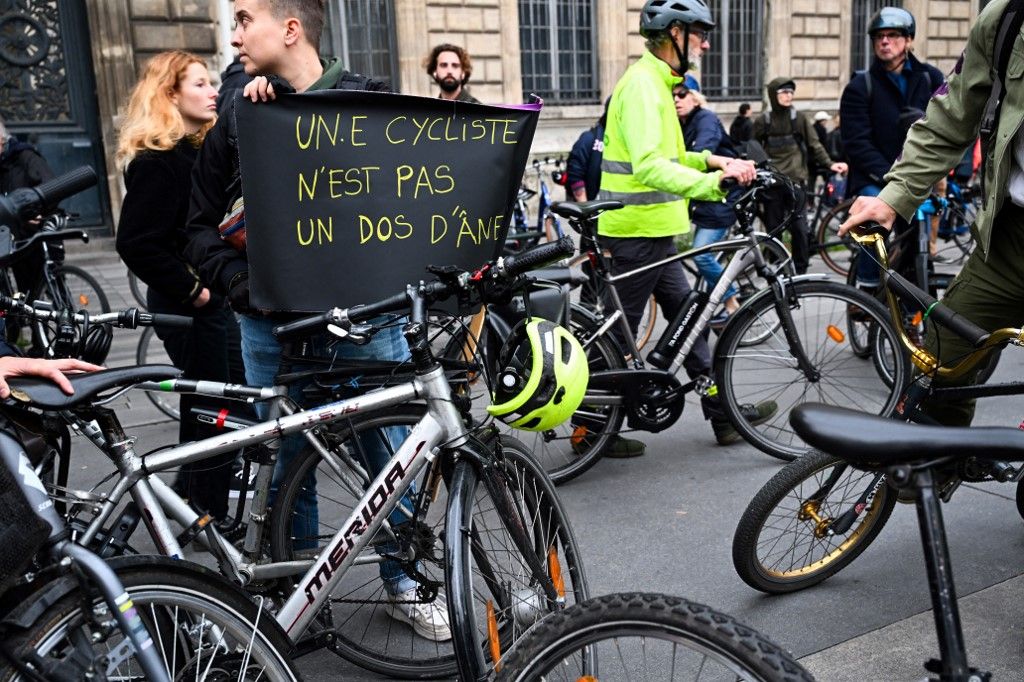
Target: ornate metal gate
(48, 92)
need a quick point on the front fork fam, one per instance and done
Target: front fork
(785, 301)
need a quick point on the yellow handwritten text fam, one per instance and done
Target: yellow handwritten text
(384, 228)
(318, 232)
(442, 180)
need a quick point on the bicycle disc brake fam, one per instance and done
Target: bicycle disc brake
(657, 404)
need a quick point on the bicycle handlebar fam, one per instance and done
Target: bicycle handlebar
(132, 318)
(344, 322)
(27, 202)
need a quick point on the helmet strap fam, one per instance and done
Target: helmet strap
(684, 60)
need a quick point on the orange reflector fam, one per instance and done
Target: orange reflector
(83, 299)
(555, 570)
(587, 678)
(578, 434)
(918, 318)
(836, 334)
(493, 641)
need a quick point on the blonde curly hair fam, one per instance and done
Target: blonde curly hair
(152, 121)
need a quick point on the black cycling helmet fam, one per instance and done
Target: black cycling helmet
(894, 18)
(659, 15)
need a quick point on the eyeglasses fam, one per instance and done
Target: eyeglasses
(887, 35)
(702, 34)
(680, 94)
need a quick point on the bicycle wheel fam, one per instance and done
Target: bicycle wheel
(836, 252)
(202, 626)
(750, 373)
(150, 351)
(84, 292)
(138, 289)
(750, 282)
(647, 637)
(498, 589)
(782, 543)
(596, 304)
(360, 608)
(568, 450)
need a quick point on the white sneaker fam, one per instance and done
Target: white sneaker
(429, 621)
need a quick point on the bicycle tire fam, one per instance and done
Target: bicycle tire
(836, 258)
(780, 506)
(164, 592)
(1019, 498)
(749, 283)
(150, 351)
(569, 450)
(559, 646)
(86, 293)
(748, 373)
(138, 289)
(369, 638)
(487, 572)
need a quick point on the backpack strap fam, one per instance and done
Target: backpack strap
(1006, 35)
(867, 81)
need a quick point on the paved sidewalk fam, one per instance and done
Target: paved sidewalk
(664, 522)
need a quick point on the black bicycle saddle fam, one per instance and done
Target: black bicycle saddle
(874, 442)
(584, 210)
(44, 394)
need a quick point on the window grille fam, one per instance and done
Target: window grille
(361, 34)
(558, 47)
(732, 68)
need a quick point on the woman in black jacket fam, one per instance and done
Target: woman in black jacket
(169, 112)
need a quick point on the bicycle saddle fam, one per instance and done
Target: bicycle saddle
(874, 442)
(585, 210)
(44, 394)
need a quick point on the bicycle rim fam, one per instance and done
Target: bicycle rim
(839, 256)
(359, 608)
(782, 543)
(496, 596)
(201, 627)
(647, 637)
(151, 351)
(768, 371)
(84, 292)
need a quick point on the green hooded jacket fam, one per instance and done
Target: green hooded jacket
(787, 135)
(951, 123)
(646, 165)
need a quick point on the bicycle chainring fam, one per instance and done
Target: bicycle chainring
(657, 404)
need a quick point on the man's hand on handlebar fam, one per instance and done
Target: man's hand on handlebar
(740, 170)
(868, 209)
(13, 366)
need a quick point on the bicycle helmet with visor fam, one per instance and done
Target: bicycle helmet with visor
(892, 18)
(542, 377)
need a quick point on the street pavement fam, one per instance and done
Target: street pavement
(664, 523)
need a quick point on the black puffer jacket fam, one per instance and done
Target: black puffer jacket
(216, 184)
(21, 166)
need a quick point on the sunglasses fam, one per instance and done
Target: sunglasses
(680, 94)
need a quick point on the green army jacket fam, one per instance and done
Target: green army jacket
(951, 123)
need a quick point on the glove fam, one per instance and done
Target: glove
(238, 293)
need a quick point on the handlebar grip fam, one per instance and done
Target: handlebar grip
(164, 320)
(301, 327)
(538, 256)
(944, 315)
(63, 186)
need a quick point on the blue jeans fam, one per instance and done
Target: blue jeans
(708, 265)
(261, 354)
(868, 272)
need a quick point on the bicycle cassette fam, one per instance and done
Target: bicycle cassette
(656, 403)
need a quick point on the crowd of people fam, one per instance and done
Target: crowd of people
(657, 148)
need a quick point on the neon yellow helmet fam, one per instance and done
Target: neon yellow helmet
(543, 376)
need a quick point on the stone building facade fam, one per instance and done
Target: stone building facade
(571, 51)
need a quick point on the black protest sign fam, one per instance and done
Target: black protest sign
(349, 196)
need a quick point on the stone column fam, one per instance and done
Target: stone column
(778, 55)
(413, 44)
(113, 59)
(511, 66)
(612, 42)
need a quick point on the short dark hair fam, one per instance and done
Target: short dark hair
(430, 63)
(744, 108)
(310, 14)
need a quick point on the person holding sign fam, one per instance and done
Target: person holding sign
(278, 44)
(646, 166)
(169, 113)
(450, 67)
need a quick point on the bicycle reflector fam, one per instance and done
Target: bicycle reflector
(542, 377)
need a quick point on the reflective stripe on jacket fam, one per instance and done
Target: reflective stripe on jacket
(646, 165)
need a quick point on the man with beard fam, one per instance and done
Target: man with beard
(450, 67)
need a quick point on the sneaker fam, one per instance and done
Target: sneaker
(624, 448)
(726, 433)
(429, 621)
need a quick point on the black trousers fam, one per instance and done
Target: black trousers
(668, 284)
(202, 352)
(777, 204)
